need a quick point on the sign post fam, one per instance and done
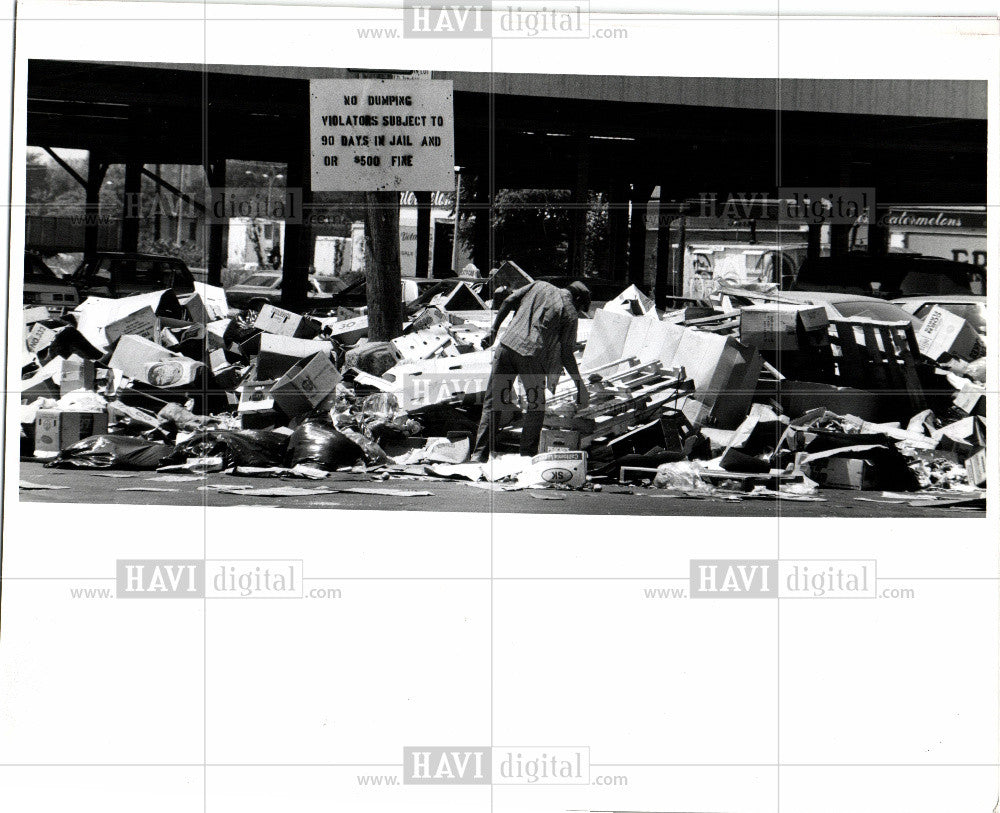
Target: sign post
(382, 137)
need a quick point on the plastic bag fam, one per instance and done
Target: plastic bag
(111, 452)
(976, 370)
(83, 401)
(682, 476)
(316, 443)
(236, 448)
(373, 358)
(382, 408)
(374, 454)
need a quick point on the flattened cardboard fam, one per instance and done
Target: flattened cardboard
(140, 323)
(945, 332)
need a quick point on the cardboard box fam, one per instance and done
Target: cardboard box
(146, 361)
(460, 298)
(208, 304)
(557, 468)
(176, 372)
(96, 313)
(844, 472)
(308, 384)
(632, 302)
(39, 313)
(216, 333)
(276, 354)
(724, 373)
(435, 380)
(285, 323)
(56, 429)
(213, 299)
(424, 343)
(608, 335)
(40, 337)
(43, 384)
(77, 374)
(559, 440)
(971, 399)
(975, 467)
(255, 396)
(778, 326)
(945, 332)
(347, 331)
(509, 275)
(141, 323)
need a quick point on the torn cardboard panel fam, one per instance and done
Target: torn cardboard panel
(308, 384)
(272, 319)
(945, 333)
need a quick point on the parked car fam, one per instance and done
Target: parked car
(891, 276)
(43, 287)
(971, 308)
(837, 305)
(264, 287)
(116, 275)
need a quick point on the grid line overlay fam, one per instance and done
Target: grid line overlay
(492, 577)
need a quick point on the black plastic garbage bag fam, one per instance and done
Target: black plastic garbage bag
(316, 443)
(111, 452)
(244, 447)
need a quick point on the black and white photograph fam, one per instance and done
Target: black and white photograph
(549, 406)
(272, 284)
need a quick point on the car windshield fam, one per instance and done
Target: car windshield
(37, 271)
(881, 311)
(262, 280)
(327, 286)
(973, 312)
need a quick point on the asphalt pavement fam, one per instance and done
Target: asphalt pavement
(396, 494)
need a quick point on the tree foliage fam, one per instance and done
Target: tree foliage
(532, 227)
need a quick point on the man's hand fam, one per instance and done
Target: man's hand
(582, 396)
(488, 339)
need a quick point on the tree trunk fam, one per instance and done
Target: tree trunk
(382, 274)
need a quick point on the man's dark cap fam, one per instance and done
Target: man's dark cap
(580, 293)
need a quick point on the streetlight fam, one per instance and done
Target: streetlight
(270, 182)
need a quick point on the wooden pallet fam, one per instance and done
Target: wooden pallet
(878, 356)
(623, 399)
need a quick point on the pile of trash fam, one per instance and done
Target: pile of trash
(744, 396)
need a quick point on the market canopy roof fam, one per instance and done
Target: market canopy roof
(915, 140)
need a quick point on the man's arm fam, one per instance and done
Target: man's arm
(567, 343)
(509, 304)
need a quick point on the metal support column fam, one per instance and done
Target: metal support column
(298, 231)
(215, 174)
(637, 233)
(131, 206)
(423, 233)
(96, 169)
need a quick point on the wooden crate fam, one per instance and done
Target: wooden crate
(879, 356)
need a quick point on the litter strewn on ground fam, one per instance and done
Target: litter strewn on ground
(750, 399)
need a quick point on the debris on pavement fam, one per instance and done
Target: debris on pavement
(745, 396)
